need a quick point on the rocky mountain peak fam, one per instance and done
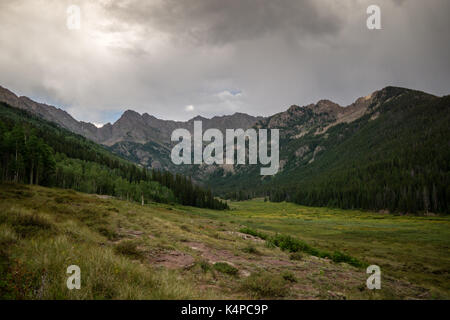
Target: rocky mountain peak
(198, 118)
(128, 118)
(131, 114)
(326, 106)
(147, 116)
(293, 108)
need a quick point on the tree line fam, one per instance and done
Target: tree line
(34, 151)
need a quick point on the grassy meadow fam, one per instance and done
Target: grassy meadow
(160, 251)
(413, 247)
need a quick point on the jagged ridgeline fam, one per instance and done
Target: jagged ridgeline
(35, 151)
(394, 156)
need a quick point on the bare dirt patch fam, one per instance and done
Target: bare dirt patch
(130, 233)
(276, 262)
(213, 255)
(102, 196)
(126, 234)
(171, 259)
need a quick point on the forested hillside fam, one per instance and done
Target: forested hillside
(396, 157)
(387, 151)
(35, 151)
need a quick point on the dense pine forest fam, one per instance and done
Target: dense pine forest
(396, 158)
(399, 162)
(35, 151)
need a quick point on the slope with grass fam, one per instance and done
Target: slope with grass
(162, 251)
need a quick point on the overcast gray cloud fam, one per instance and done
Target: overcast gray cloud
(177, 59)
(218, 22)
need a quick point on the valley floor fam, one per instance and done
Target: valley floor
(158, 251)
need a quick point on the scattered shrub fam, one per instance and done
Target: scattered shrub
(66, 199)
(265, 285)
(205, 266)
(251, 250)
(185, 228)
(289, 276)
(108, 233)
(27, 224)
(128, 248)
(254, 233)
(342, 257)
(295, 256)
(288, 243)
(225, 268)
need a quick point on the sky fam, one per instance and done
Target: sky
(176, 59)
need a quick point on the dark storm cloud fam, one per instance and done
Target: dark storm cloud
(399, 2)
(221, 22)
(177, 59)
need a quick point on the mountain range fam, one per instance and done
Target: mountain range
(145, 139)
(389, 149)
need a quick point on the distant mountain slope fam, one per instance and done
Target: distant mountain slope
(49, 113)
(395, 155)
(36, 151)
(144, 139)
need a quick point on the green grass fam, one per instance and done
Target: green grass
(129, 251)
(39, 240)
(409, 247)
(128, 248)
(264, 285)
